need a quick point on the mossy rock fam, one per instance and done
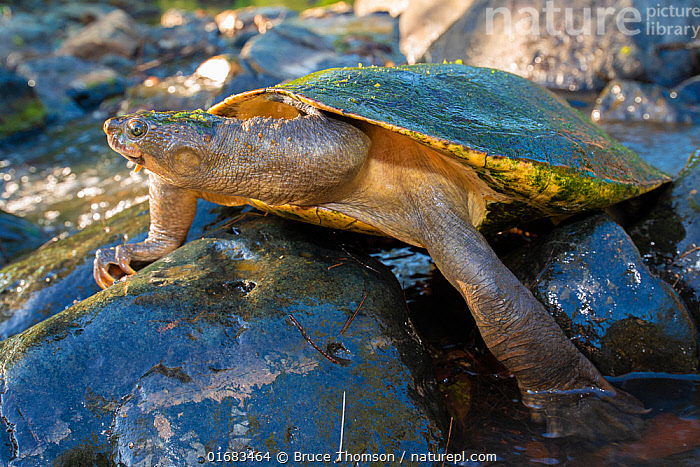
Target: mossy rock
(235, 342)
(22, 109)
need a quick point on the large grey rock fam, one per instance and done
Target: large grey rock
(237, 342)
(66, 84)
(114, 33)
(288, 51)
(534, 39)
(424, 21)
(594, 282)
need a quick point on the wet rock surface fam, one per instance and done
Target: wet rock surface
(64, 178)
(669, 235)
(594, 282)
(177, 362)
(58, 275)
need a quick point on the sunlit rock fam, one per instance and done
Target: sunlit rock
(114, 33)
(575, 45)
(196, 91)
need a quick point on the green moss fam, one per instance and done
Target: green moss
(199, 117)
(31, 114)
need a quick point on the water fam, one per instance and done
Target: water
(667, 147)
(66, 177)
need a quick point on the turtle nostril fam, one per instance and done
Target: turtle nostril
(110, 125)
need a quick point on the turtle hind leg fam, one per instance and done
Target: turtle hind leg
(557, 382)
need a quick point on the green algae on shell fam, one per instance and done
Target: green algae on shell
(520, 139)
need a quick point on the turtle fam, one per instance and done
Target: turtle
(435, 155)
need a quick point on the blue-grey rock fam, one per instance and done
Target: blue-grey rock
(17, 237)
(58, 79)
(236, 342)
(688, 91)
(22, 110)
(288, 51)
(591, 277)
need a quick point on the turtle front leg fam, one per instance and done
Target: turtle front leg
(172, 210)
(555, 379)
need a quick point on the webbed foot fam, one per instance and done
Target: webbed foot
(591, 413)
(111, 264)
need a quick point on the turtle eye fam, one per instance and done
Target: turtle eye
(137, 128)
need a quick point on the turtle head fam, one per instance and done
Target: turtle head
(173, 145)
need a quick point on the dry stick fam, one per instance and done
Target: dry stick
(678, 279)
(353, 257)
(692, 250)
(308, 339)
(449, 435)
(350, 319)
(544, 268)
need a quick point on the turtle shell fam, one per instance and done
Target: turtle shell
(522, 140)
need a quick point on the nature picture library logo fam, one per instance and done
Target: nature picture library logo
(555, 19)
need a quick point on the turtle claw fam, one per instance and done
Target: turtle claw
(110, 265)
(595, 414)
